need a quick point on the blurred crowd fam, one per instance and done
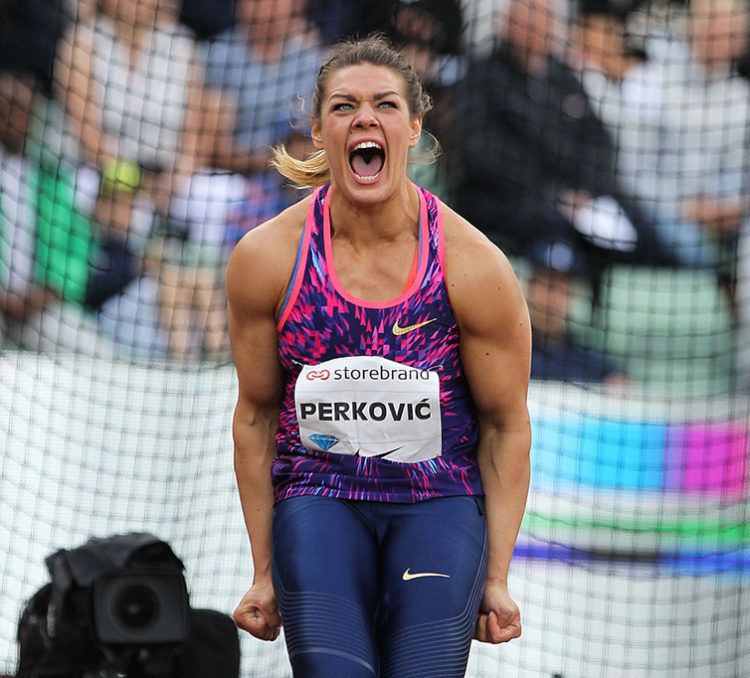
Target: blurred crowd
(579, 135)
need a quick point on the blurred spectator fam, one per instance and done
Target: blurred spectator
(45, 242)
(29, 33)
(535, 161)
(267, 193)
(20, 295)
(124, 289)
(339, 19)
(429, 33)
(556, 271)
(125, 284)
(426, 28)
(627, 99)
(191, 257)
(689, 111)
(264, 67)
(116, 261)
(130, 79)
(162, 297)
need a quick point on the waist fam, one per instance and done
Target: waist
(298, 471)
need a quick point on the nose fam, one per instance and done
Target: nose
(365, 118)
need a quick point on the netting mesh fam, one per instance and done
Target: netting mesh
(603, 145)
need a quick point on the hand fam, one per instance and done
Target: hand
(256, 613)
(499, 618)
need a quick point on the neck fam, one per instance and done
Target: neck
(387, 220)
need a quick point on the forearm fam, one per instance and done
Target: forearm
(254, 451)
(505, 471)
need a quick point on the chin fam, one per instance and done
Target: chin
(372, 193)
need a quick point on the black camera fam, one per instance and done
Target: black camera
(140, 608)
(119, 606)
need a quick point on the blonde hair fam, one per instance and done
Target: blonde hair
(378, 51)
(311, 172)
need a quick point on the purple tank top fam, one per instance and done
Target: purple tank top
(375, 404)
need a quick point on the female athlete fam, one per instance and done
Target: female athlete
(382, 346)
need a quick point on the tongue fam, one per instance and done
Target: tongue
(364, 168)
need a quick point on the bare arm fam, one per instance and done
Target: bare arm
(495, 351)
(252, 330)
(256, 279)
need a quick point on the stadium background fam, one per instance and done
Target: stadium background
(615, 177)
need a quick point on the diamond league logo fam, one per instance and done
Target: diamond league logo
(323, 375)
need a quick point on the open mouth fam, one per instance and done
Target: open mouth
(367, 159)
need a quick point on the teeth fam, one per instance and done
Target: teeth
(372, 178)
(367, 144)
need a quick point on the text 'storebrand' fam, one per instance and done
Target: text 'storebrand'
(369, 406)
(381, 373)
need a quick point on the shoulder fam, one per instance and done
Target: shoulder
(476, 269)
(262, 262)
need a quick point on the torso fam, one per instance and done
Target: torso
(377, 386)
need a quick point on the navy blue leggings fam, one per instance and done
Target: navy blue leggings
(372, 589)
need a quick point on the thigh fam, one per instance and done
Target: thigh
(325, 579)
(433, 567)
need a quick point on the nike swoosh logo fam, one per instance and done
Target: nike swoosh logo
(408, 576)
(380, 454)
(398, 331)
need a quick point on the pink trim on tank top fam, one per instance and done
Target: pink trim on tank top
(424, 245)
(441, 237)
(301, 263)
(412, 271)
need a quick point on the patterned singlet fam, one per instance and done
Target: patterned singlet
(375, 406)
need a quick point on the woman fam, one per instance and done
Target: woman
(382, 346)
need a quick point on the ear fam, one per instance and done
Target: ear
(416, 130)
(315, 133)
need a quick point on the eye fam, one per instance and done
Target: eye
(387, 104)
(343, 106)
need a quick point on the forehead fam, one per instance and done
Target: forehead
(364, 80)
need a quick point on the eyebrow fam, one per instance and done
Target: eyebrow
(377, 97)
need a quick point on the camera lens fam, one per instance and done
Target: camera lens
(136, 606)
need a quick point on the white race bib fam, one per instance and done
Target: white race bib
(370, 406)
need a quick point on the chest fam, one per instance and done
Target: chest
(380, 274)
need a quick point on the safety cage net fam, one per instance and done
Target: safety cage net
(601, 144)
